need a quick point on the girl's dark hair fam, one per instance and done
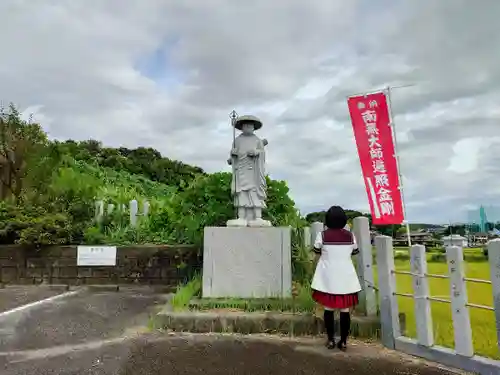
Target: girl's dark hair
(335, 218)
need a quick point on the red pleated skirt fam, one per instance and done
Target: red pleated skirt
(335, 301)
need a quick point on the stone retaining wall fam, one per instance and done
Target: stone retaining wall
(139, 264)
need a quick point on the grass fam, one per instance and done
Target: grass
(302, 303)
(185, 293)
(251, 305)
(439, 254)
(482, 321)
(187, 297)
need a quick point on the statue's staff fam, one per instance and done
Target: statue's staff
(233, 116)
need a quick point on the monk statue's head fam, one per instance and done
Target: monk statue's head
(247, 128)
(248, 124)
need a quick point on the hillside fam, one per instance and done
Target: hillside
(48, 191)
(142, 161)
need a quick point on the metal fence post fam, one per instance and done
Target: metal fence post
(423, 316)
(494, 260)
(389, 315)
(460, 312)
(361, 230)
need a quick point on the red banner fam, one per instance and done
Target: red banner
(372, 131)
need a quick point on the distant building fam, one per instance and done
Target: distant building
(479, 238)
(455, 240)
(415, 237)
(437, 230)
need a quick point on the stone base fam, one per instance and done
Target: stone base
(248, 223)
(246, 262)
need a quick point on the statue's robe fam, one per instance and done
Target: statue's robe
(249, 176)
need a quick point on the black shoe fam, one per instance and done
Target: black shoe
(330, 344)
(342, 346)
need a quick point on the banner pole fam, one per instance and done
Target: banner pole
(393, 128)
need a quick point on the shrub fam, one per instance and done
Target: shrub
(207, 201)
(34, 225)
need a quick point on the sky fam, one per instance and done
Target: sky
(166, 74)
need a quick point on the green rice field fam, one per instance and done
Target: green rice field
(482, 321)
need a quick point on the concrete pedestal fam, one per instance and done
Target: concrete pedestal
(247, 262)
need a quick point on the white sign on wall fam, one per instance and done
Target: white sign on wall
(96, 256)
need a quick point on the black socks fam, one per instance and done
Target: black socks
(329, 325)
(345, 326)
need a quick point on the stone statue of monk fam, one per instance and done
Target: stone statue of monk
(248, 186)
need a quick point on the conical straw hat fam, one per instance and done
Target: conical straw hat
(238, 124)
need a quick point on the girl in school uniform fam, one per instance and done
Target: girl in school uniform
(335, 283)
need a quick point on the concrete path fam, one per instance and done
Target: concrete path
(105, 333)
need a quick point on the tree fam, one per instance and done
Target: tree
(145, 161)
(320, 215)
(401, 231)
(21, 142)
(455, 229)
(315, 216)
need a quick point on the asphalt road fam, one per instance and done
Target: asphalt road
(15, 296)
(211, 355)
(79, 318)
(105, 333)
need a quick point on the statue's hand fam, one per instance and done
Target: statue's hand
(252, 153)
(230, 161)
(265, 142)
(234, 152)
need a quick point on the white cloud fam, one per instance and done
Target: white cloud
(466, 155)
(77, 66)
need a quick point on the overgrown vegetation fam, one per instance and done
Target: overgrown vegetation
(303, 303)
(49, 188)
(185, 293)
(187, 297)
